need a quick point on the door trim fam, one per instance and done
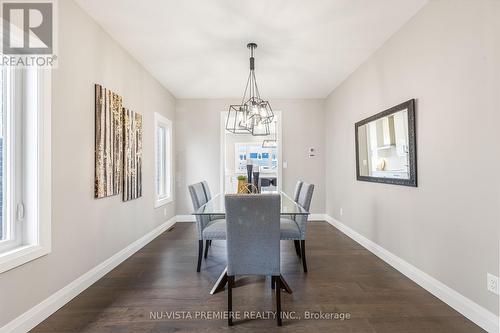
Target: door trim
(279, 130)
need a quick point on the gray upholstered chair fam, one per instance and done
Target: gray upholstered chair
(253, 241)
(208, 227)
(295, 228)
(296, 193)
(209, 197)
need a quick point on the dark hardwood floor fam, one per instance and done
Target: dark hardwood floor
(343, 277)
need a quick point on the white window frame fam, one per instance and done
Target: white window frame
(161, 121)
(12, 83)
(33, 227)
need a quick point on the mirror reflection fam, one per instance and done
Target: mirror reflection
(383, 150)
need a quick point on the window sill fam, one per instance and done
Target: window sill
(21, 255)
(163, 202)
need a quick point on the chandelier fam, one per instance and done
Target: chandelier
(254, 114)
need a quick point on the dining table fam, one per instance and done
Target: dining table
(215, 207)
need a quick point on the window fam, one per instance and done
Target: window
(265, 158)
(3, 129)
(163, 160)
(24, 165)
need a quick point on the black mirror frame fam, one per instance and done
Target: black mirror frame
(412, 145)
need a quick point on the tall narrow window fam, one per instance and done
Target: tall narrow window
(2, 158)
(24, 165)
(163, 160)
(12, 159)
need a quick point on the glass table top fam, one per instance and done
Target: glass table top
(216, 206)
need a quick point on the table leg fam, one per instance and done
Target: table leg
(221, 282)
(285, 285)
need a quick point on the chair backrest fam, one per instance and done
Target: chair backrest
(297, 190)
(253, 234)
(199, 198)
(208, 195)
(305, 195)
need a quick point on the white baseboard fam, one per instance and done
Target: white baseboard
(473, 311)
(185, 218)
(44, 309)
(317, 217)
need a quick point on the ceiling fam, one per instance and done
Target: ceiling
(197, 48)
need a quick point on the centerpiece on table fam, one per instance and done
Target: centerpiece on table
(242, 184)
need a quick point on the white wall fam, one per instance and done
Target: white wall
(198, 146)
(86, 231)
(448, 58)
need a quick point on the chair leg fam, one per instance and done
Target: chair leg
(207, 244)
(200, 252)
(297, 246)
(278, 299)
(303, 249)
(272, 282)
(230, 281)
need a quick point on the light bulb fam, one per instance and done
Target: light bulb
(254, 110)
(242, 121)
(262, 112)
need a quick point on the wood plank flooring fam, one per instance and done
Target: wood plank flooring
(343, 277)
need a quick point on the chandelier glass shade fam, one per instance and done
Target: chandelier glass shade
(236, 121)
(273, 141)
(254, 114)
(260, 129)
(269, 144)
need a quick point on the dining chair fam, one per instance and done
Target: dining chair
(295, 228)
(208, 227)
(253, 241)
(296, 193)
(297, 190)
(208, 194)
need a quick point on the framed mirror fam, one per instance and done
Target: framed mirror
(386, 146)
